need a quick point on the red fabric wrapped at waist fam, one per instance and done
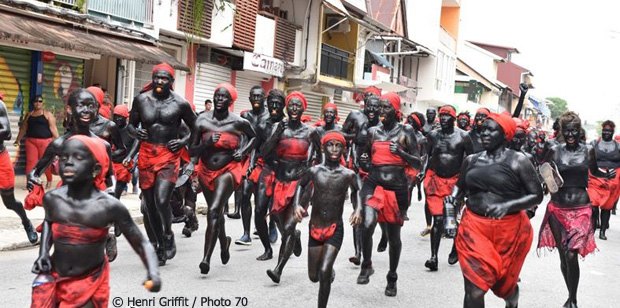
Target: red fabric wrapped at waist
(157, 161)
(34, 198)
(385, 203)
(436, 189)
(208, 176)
(74, 292)
(77, 235)
(604, 192)
(323, 234)
(122, 173)
(412, 174)
(254, 176)
(283, 193)
(491, 252)
(381, 155)
(7, 180)
(577, 233)
(293, 148)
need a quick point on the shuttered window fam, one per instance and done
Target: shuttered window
(185, 22)
(207, 78)
(284, 48)
(245, 23)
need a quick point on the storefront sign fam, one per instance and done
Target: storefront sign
(263, 64)
(48, 56)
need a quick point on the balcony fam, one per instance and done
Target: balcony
(447, 39)
(286, 33)
(336, 62)
(125, 11)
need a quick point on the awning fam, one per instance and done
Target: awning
(383, 85)
(369, 23)
(380, 59)
(18, 28)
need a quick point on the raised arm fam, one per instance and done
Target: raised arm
(523, 88)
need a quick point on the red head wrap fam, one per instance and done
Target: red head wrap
(98, 94)
(506, 122)
(105, 111)
(230, 88)
(448, 110)
(483, 111)
(522, 124)
(332, 105)
(100, 153)
(333, 135)
(416, 119)
(164, 67)
(464, 116)
(394, 99)
(373, 90)
(122, 111)
(300, 96)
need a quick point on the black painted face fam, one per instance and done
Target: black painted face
(333, 150)
(257, 97)
(372, 109)
(607, 133)
(463, 122)
(571, 133)
(221, 100)
(387, 113)
(77, 164)
(519, 139)
(479, 119)
(84, 110)
(531, 139)
(275, 105)
(431, 114)
(295, 109)
(329, 115)
(542, 136)
(491, 135)
(120, 121)
(446, 120)
(162, 83)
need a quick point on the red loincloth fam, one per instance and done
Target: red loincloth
(74, 292)
(604, 192)
(34, 198)
(577, 230)
(412, 175)
(258, 169)
(436, 189)
(156, 161)
(122, 173)
(7, 178)
(384, 202)
(283, 193)
(323, 234)
(491, 252)
(208, 176)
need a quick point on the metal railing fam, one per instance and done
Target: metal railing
(335, 62)
(131, 10)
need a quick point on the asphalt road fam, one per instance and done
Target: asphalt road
(243, 282)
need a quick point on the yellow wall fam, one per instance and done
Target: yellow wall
(344, 41)
(450, 19)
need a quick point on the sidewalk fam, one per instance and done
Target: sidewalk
(13, 236)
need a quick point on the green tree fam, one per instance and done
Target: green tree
(558, 107)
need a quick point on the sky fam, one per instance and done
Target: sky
(572, 49)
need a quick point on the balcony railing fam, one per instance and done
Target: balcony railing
(128, 11)
(336, 62)
(447, 39)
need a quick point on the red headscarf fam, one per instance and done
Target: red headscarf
(159, 67)
(374, 90)
(417, 120)
(230, 88)
(393, 98)
(448, 110)
(122, 111)
(483, 111)
(506, 122)
(300, 96)
(98, 93)
(333, 135)
(99, 151)
(522, 124)
(332, 105)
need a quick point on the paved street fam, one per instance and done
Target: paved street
(542, 284)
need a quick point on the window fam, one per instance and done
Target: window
(445, 71)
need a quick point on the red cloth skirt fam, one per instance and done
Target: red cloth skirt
(258, 169)
(7, 173)
(208, 176)
(385, 203)
(155, 161)
(122, 173)
(491, 252)
(577, 230)
(436, 189)
(283, 193)
(74, 292)
(604, 192)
